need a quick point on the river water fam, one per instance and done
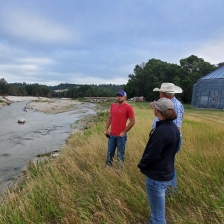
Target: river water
(41, 133)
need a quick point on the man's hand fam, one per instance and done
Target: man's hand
(122, 134)
(152, 105)
(130, 125)
(107, 125)
(106, 132)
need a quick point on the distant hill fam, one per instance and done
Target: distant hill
(61, 90)
(110, 87)
(63, 86)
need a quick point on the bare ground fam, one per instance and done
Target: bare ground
(53, 106)
(46, 105)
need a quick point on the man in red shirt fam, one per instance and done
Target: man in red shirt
(120, 112)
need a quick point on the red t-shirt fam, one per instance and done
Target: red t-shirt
(120, 115)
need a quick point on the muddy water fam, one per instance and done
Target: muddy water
(41, 133)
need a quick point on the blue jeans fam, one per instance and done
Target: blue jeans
(113, 143)
(156, 198)
(174, 180)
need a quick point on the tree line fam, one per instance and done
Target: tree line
(146, 77)
(23, 90)
(89, 91)
(79, 91)
(67, 90)
(152, 74)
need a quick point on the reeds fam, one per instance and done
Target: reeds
(76, 187)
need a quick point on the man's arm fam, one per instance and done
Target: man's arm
(180, 114)
(107, 124)
(129, 126)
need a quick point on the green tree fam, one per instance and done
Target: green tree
(23, 91)
(14, 91)
(3, 81)
(4, 88)
(193, 68)
(150, 76)
(220, 64)
(155, 72)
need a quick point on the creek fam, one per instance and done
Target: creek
(41, 133)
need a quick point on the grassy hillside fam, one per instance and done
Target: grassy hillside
(76, 187)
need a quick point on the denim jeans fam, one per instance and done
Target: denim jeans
(156, 198)
(113, 143)
(174, 180)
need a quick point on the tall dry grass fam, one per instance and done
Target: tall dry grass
(78, 188)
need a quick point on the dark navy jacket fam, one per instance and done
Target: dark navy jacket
(157, 161)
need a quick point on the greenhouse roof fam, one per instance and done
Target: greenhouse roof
(217, 74)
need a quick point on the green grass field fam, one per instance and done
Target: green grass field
(76, 187)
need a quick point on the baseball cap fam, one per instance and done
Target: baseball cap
(163, 104)
(122, 93)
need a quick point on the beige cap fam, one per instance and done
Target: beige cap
(163, 104)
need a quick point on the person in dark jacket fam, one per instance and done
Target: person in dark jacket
(157, 161)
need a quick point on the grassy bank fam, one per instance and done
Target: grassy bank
(77, 187)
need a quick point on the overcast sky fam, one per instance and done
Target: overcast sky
(100, 41)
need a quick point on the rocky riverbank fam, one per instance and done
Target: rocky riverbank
(52, 106)
(46, 105)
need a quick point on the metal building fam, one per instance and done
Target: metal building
(208, 92)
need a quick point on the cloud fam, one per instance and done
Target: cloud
(35, 60)
(22, 68)
(88, 42)
(17, 65)
(97, 80)
(33, 27)
(211, 51)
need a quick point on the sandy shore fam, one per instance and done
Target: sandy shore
(46, 105)
(53, 106)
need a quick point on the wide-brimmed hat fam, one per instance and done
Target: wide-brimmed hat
(168, 88)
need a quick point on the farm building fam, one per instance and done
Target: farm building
(208, 92)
